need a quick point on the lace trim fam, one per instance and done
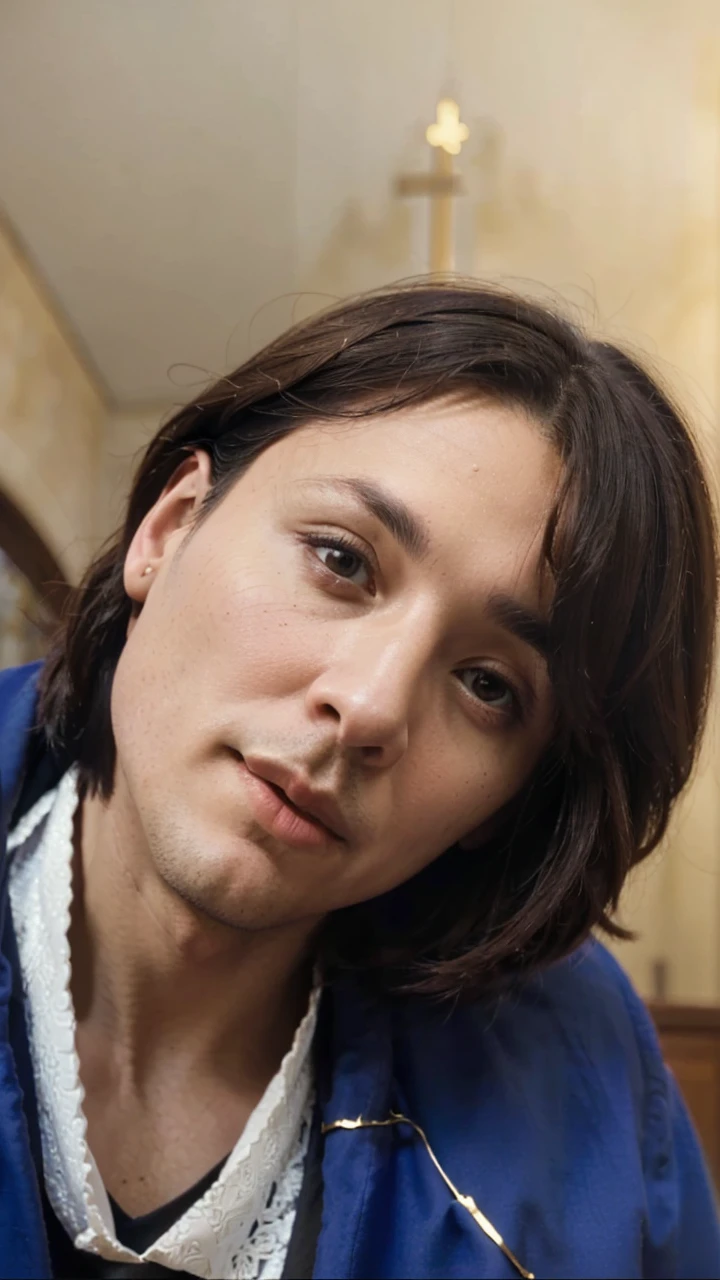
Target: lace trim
(41, 897)
(242, 1225)
(247, 1245)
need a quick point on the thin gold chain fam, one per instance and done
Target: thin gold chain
(466, 1201)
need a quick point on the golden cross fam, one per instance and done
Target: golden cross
(446, 137)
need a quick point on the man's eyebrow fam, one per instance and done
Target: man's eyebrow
(390, 510)
(525, 624)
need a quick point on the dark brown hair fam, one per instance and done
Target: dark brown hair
(632, 552)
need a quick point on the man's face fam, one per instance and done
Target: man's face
(332, 678)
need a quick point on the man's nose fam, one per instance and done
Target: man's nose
(369, 691)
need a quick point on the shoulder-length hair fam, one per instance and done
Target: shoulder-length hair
(631, 548)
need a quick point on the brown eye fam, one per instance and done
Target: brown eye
(344, 563)
(488, 687)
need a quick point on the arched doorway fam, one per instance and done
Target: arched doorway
(33, 588)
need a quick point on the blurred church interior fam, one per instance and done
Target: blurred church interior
(180, 180)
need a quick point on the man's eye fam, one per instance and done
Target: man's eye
(488, 687)
(344, 563)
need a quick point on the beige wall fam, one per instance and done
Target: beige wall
(127, 433)
(52, 420)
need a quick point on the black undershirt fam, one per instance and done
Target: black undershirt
(138, 1234)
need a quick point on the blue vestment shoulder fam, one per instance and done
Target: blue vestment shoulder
(23, 1249)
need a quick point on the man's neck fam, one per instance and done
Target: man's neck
(155, 981)
(181, 1021)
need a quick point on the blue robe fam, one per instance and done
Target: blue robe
(554, 1112)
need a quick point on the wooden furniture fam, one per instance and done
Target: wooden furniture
(690, 1037)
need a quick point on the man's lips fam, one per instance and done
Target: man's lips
(288, 808)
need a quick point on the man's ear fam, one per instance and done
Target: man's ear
(166, 524)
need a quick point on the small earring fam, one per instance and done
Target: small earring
(148, 569)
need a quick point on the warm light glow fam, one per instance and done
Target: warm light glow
(447, 132)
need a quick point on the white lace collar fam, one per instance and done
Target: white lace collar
(259, 1183)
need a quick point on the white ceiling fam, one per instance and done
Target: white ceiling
(150, 152)
(177, 168)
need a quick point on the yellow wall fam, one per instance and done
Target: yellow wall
(127, 434)
(617, 211)
(52, 420)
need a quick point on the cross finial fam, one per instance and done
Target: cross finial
(446, 136)
(448, 131)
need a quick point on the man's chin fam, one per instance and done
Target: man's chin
(247, 908)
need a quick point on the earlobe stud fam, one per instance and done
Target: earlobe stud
(148, 569)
